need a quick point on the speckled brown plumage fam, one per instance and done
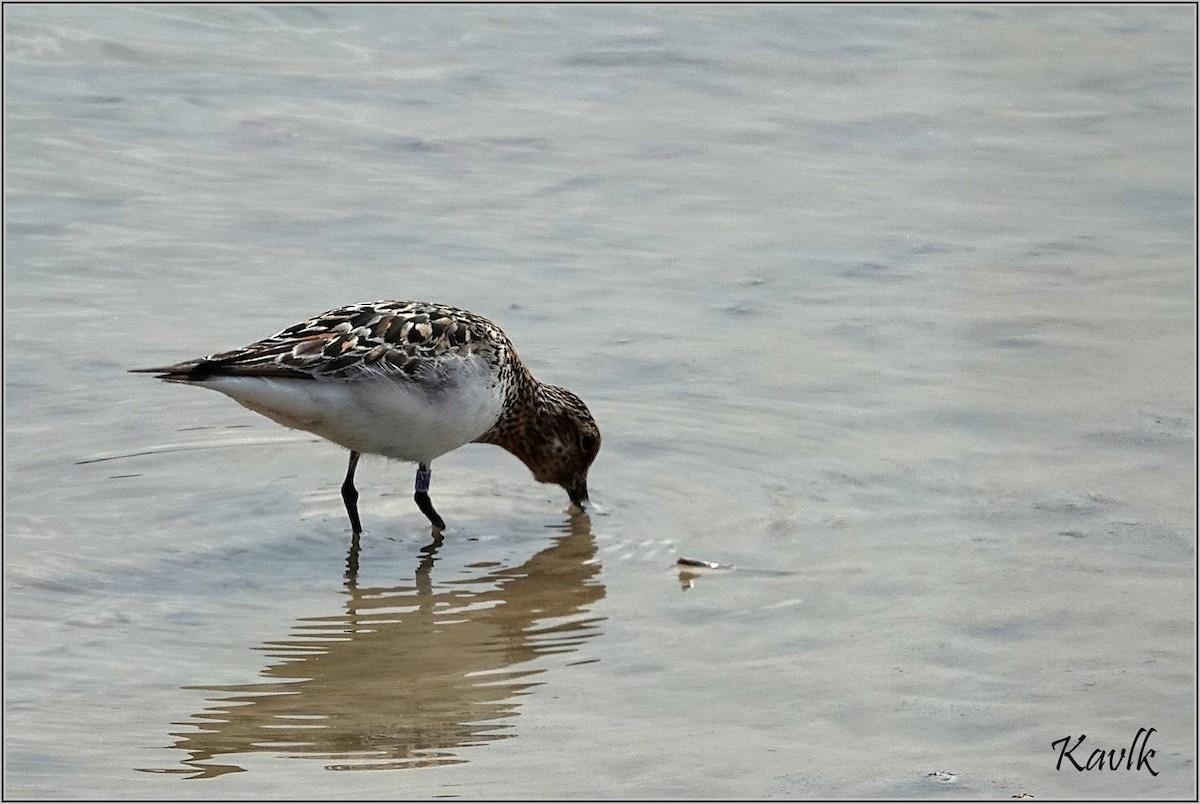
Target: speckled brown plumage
(428, 358)
(397, 339)
(550, 430)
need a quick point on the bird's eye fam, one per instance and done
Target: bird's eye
(588, 442)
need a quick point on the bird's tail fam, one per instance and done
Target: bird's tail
(191, 371)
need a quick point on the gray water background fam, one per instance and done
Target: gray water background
(894, 305)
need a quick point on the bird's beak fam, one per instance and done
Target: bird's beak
(578, 493)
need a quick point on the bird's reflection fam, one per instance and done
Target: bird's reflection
(408, 674)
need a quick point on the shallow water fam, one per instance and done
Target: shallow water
(891, 308)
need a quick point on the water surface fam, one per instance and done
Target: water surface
(891, 308)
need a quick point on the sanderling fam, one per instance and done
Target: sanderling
(410, 381)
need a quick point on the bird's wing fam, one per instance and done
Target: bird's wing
(396, 339)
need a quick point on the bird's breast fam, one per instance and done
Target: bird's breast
(394, 417)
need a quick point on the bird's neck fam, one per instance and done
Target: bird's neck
(515, 430)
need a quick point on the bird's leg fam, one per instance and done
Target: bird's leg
(350, 494)
(422, 497)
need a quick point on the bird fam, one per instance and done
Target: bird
(408, 380)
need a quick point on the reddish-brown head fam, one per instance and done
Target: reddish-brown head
(557, 438)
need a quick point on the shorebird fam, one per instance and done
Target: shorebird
(410, 381)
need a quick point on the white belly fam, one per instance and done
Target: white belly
(378, 416)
